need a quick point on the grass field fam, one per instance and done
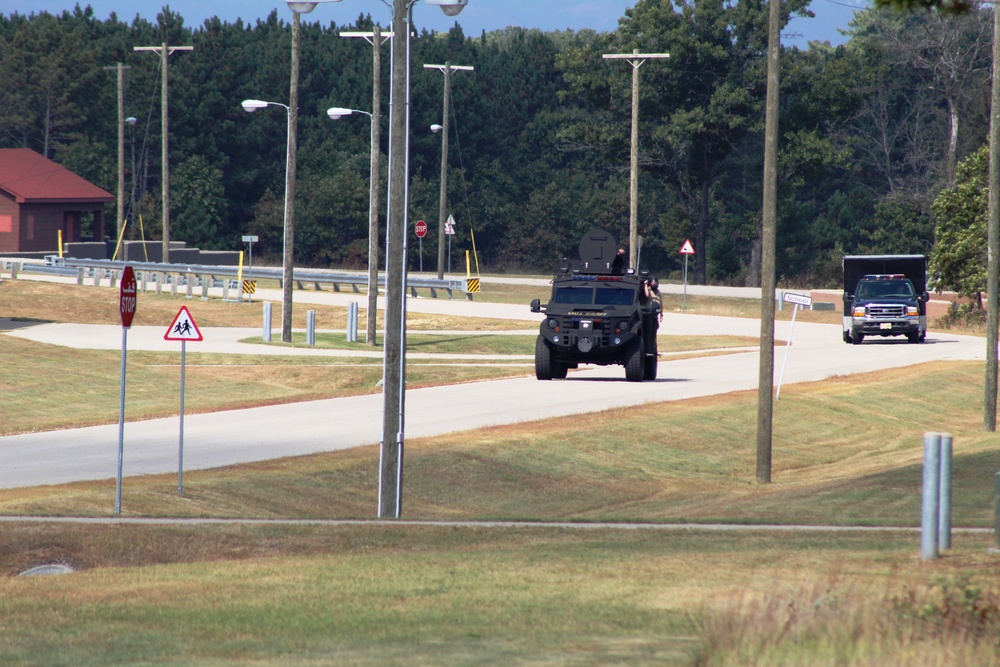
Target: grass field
(387, 593)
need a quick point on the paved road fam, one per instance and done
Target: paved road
(230, 437)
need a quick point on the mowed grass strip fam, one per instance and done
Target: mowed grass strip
(845, 452)
(384, 594)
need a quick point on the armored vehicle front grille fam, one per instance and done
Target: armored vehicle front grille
(886, 311)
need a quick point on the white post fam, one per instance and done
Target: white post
(931, 497)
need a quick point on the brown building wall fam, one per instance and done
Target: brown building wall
(40, 225)
(10, 223)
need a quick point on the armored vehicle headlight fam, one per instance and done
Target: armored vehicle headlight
(859, 311)
(554, 324)
(912, 311)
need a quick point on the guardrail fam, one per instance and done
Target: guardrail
(197, 275)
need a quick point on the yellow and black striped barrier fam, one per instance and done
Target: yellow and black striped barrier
(249, 286)
(473, 285)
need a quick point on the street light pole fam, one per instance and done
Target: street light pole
(376, 39)
(286, 272)
(447, 69)
(336, 113)
(394, 348)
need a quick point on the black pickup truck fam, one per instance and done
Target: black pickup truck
(885, 295)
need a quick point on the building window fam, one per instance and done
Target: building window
(6, 224)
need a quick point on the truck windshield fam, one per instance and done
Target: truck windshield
(615, 296)
(574, 295)
(587, 296)
(885, 289)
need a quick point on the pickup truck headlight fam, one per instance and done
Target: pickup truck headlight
(859, 311)
(912, 311)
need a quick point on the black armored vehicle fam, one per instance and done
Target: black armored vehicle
(598, 314)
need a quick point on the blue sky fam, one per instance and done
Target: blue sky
(601, 15)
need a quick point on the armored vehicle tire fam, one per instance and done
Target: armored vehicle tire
(543, 359)
(856, 338)
(559, 371)
(635, 362)
(650, 366)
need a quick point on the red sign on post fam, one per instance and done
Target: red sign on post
(126, 299)
(687, 248)
(421, 229)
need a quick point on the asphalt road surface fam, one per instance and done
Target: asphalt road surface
(225, 438)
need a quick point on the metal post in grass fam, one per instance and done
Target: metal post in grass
(944, 513)
(931, 496)
(996, 507)
(266, 332)
(352, 322)
(311, 327)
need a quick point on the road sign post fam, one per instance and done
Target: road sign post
(449, 229)
(687, 250)
(421, 229)
(126, 307)
(798, 300)
(183, 329)
(249, 240)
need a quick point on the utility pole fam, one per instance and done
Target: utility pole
(164, 51)
(993, 242)
(447, 69)
(120, 219)
(376, 38)
(288, 245)
(765, 382)
(635, 59)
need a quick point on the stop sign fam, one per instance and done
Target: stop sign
(421, 229)
(126, 300)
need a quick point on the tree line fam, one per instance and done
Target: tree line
(873, 133)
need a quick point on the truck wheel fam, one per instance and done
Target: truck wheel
(856, 338)
(635, 361)
(915, 338)
(543, 360)
(559, 370)
(651, 363)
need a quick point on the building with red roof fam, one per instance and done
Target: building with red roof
(39, 199)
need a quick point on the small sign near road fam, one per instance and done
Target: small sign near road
(800, 299)
(127, 297)
(687, 248)
(421, 229)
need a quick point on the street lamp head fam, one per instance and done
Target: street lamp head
(450, 7)
(337, 112)
(130, 120)
(252, 105)
(305, 7)
(435, 128)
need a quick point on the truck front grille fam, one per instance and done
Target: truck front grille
(886, 311)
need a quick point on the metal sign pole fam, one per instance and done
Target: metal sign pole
(685, 302)
(121, 428)
(788, 344)
(180, 448)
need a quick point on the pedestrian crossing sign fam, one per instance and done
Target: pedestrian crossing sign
(183, 327)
